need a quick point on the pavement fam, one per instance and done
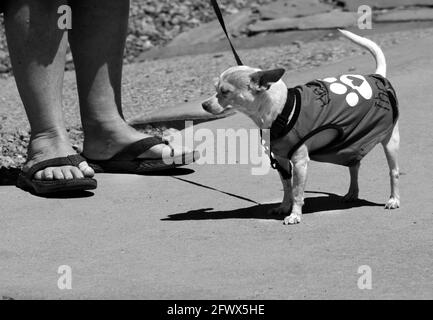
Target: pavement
(203, 232)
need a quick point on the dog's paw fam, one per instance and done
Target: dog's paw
(351, 196)
(282, 210)
(294, 218)
(393, 203)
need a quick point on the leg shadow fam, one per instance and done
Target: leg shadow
(323, 203)
(331, 201)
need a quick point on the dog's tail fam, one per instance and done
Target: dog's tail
(375, 50)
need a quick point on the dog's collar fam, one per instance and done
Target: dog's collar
(281, 126)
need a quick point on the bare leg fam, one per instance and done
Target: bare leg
(300, 165)
(391, 147)
(97, 41)
(353, 193)
(37, 49)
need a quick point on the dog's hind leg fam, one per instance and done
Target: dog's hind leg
(391, 147)
(353, 193)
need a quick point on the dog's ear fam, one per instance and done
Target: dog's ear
(262, 80)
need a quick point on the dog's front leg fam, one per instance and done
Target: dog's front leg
(286, 204)
(300, 164)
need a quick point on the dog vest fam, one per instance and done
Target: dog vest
(362, 109)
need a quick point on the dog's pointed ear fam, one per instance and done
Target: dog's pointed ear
(262, 80)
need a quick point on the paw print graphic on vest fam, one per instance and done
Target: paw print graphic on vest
(352, 85)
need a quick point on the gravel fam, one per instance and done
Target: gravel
(151, 85)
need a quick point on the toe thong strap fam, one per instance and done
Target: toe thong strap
(72, 160)
(133, 151)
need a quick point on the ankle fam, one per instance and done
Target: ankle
(104, 139)
(109, 125)
(49, 133)
(47, 145)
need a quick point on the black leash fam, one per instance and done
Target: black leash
(223, 25)
(217, 190)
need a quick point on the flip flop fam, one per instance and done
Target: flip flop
(127, 161)
(41, 187)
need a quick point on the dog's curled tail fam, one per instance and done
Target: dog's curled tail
(375, 50)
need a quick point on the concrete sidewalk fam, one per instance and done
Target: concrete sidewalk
(204, 232)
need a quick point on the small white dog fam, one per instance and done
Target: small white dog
(336, 120)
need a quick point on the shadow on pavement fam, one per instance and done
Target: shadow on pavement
(8, 176)
(66, 195)
(327, 202)
(175, 172)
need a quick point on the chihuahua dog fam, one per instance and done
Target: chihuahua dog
(336, 120)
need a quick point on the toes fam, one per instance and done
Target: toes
(174, 151)
(67, 174)
(38, 175)
(392, 204)
(169, 151)
(292, 219)
(58, 173)
(77, 173)
(87, 171)
(47, 174)
(52, 174)
(166, 151)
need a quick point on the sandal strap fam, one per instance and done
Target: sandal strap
(133, 151)
(72, 160)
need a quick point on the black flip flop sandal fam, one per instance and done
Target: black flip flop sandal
(43, 187)
(127, 161)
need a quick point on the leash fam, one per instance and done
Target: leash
(219, 15)
(281, 121)
(217, 190)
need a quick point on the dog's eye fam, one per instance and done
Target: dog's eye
(224, 92)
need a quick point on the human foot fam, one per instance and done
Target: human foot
(105, 141)
(47, 146)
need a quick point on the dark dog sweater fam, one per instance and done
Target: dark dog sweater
(363, 109)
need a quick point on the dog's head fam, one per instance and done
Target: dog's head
(241, 88)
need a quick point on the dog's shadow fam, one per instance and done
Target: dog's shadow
(323, 203)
